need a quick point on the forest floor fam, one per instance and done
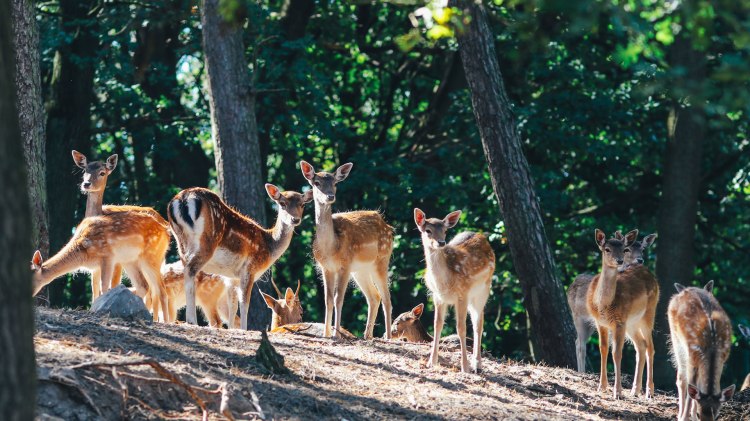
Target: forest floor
(85, 373)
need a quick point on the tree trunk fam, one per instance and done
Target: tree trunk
(31, 117)
(17, 365)
(552, 332)
(678, 209)
(71, 94)
(233, 127)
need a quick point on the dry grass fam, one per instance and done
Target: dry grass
(330, 380)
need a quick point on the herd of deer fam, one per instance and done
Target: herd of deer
(222, 254)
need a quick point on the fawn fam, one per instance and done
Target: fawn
(578, 291)
(745, 331)
(409, 328)
(701, 338)
(354, 244)
(134, 240)
(625, 305)
(460, 274)
(94, 183)
(213, 237)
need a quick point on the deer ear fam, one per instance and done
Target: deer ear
(600, 238)
(289, 296)
(343, 171)
(451, 219)
(270, 301)
(419, 218)
(631, 237)
(709, 286)
(418, 310)
(679, 287)
(111, 163)
(693, 392)
(618, 235)
(307, 196)
(648, 240)
(273, 191)
(307, 170)
(79, 159)
(36, 260)
(727, 393)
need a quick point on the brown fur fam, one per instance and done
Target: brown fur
(286, 309)
(745, 332)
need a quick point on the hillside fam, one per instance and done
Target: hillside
(82, 376)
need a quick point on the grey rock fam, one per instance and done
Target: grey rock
(120, 302)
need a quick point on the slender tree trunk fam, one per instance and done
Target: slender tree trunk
(678, 209)
(31, 117)
(71, 94)
(552, 332)
(17, 364)
(233, 127)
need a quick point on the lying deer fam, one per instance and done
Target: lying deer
(95, 175)
(701, 338)
(408, 327)
(578, 291)
(460, 274)
(623, 304)
(745, 331)
(354, 244)
(215, 238)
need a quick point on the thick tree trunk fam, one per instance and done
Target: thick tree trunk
(678, 209)
(552, 332)
(31, 117)
(17, 364)
(233, 127)
(71, 94)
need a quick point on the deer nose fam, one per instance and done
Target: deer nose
(441, 243)
(86, 184)
(619, 261)
(639, 260)
(331, 197)
(296, 220)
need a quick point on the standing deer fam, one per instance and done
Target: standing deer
(134, 240)
(578, 291)
(354, 244)
(460, 274)
(745, 331)
(94, 183)
(701, 338)
(215, 238)
(623, 304)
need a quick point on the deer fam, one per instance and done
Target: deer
(213, 237)
(93, 184)
(459, 273)
(408, 327)
(355, 244)
(137, 241)
(578, 291)
(623, 304)
(745, 331)
(701, 336)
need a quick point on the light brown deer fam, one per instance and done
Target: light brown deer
(354, 244)
(745, 331)
(578, 291)
(701, 336)
(215, 238)
(623, 304)
(408, 327)
(460, 274)
(134, 240)
(95, 175)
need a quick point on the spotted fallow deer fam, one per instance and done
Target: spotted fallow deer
(354, 244)
(408, 327)
(134, 240)
(460, 274)
(623, 304)
(745, 331)
(578, 291)
(701, 336)
(215, 238)
(95, 175)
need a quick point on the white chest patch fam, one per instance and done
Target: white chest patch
(225, 263)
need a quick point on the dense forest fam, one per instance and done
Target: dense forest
(630, 114)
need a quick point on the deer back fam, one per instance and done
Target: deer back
(359, 236)
(577, 293)
(467, 260)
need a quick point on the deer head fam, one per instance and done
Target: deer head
(709, 405)
(408, 324)
(613, 250)
(434, 230)
(94, 174)
(324, 183)
(291, 204)
(37, 283)
(634, 253)
(287, 309)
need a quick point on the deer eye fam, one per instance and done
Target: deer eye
(627, 250)
(428, 231)
(317, 183)
(608, 250)
(102, 174)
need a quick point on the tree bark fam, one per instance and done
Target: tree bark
(552, 326)
(678, 208)
(17, 365)
(71, 94)
(234, 129)
(31, 117)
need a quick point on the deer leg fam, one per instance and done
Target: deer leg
(381, 283)
(193, 265)
(618, 341)
(650, 390)
(682, 396)
(639, 341)
(583, 333)
(106, 270)
(438, 328)
(116, 276)
(341, 283)
(232, 302)
(461, 309)
(477, 322)
(329, 287)
(368, 289)
(604, 352)
(246, 289)
(156, 289)
(96, 284)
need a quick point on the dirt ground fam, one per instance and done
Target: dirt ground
(180, 368)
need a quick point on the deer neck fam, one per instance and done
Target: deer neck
(325, 236)
(607, 286)
(280, 237)
(435, 257)
(417, 333)
(94, 203)
(64, 262)
(275, 321)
